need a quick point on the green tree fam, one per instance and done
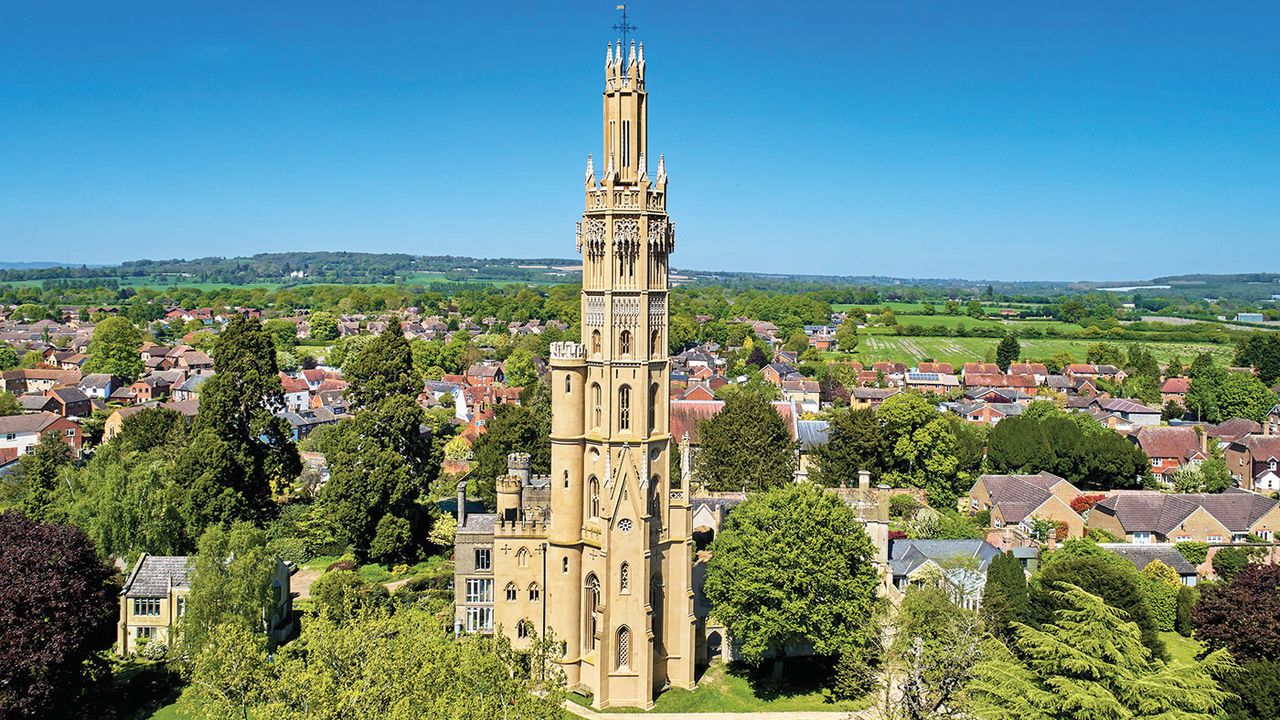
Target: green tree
(936, 646)
(376, 666)
(519, 370)
(115, 349)
(151, 428)
(382, 368)
(746, 445)
(1007, 352)
(1244, 396)
(975, 310)
(847, 335)
(238, 446)
(284, 332)
(1206, 382)
(792, 565)
(231, 584)
(130, 502)
(1004, 599)
(38, 475)
(1161, 594)
(1261, 351)
(513, 428)
(1104, 354)
(855, 441)
(1085, 565)
(8, 358)
(324, 326)
(1089, 661)
(9, 404)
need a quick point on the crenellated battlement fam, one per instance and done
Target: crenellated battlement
(568, 350)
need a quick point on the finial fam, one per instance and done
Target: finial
(591, 170)
(662, 168)
(642, 170)
(608, 56)
(631, 57)
(641, 55)
(609, 172)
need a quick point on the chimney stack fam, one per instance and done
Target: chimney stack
(462, 503)
(864, 480)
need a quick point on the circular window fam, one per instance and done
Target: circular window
(625, 525)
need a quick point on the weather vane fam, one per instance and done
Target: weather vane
(624, 27)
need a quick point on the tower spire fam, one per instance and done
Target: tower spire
(624, 27)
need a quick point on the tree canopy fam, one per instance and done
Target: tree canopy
(1089, 661)
(115, 349)
(1242, 615)
(58, 607)
(747, 445)
(792, 565)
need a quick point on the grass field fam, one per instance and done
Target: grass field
(1181, 650)
(911, 350)
(725, 688)
(954, 321)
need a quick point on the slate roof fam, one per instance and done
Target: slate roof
(1127, 407)
(812, 433)
(1151, 511)
(479, 524)
(1142, 555)
(1017, 496)
(155, 574)
(906, 556)
(96, 380)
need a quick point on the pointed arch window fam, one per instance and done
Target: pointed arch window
(595, 342)
(535, 592)
(654, 338)
(624, 647)
(593, 497)
(624, 342)
(593, 607)
(511, 592)
(624, 407)
(522, 629)
(596, 400)
(564, 565)
(653, 407)
(522, 557)
(568, 384)
(624, 578)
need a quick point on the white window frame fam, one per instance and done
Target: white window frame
(479, 590)
(484, 558)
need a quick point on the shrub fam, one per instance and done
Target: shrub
(1160, 591)
(982, 518)
(1100, 535)
(1255, 691)
(1187, 597)
(1194, 552)
(903, 505)
(392, 540)
(341, 565)
(1228, 561)
(1084, 503)
(289, 549)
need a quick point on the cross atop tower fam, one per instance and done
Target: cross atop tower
(624, 27)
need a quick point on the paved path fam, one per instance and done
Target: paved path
(590, 714)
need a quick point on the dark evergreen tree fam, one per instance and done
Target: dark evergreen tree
(1004, 599)
(855, 441)
(747, 445)
(1007, 352)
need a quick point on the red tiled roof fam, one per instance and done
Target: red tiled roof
(1169, 442)
(1175, 386)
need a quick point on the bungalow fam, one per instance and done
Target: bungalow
(1143, 555)
(21, 433)
(1170, 448)
(1149, 516)
(987, 413)
(1228, 431)
(1017, 499)
(958, 566)
(1254, 462)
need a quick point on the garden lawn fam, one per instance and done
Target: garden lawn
(725, 688)
(1181, 649)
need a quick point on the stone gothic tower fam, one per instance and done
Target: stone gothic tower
(619, 537)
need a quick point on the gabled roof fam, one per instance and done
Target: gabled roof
(1169, 442)
(1175, 386)
(1231, 429)
(1127, 407)
(1151, 511)
(28, 422)
(1143, 555)
(1017, 496)
(906, 556)
(1262, 447)
(155, 574)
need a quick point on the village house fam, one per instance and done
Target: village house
(154, 598)
(1174, 390)
(19, 434)
(1143, 555)
(959, 566)
(1149, 516)
(1254, 462)
(37, 380)
(99, 386)
(115, 421)
(1017, 499)
(869, 397)
(69, 402)
(1037, 371)
(1228, 431)
(1170, 448)
(931, 382)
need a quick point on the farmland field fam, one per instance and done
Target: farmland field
(911, 350)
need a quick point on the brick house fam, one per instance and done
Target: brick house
(20, 434)
(1149, 516)
(1016, 499)
(1254, 462)
(1171, 448)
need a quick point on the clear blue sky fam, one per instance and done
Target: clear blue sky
(1011, 140)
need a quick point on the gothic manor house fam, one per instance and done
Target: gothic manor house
(599, 552)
